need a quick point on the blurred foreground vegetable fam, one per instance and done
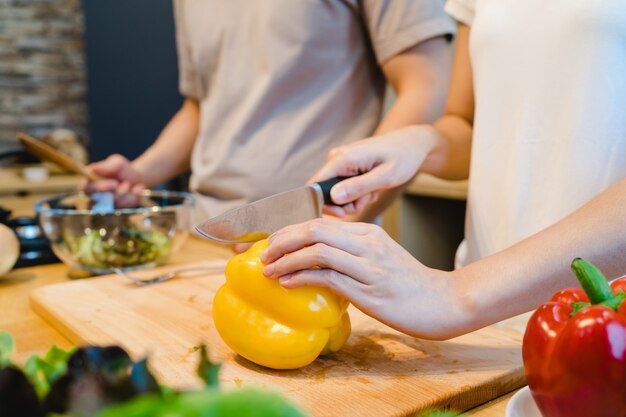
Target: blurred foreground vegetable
(9, 249)
(575, 348)
(104, 382)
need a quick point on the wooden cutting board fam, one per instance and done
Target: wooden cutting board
(380, 372)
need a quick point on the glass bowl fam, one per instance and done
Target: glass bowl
(98, 232)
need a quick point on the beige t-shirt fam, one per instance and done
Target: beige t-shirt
(281, 82)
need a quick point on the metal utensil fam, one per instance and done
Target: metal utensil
(48, 153)
(257, 220)
(166, 276)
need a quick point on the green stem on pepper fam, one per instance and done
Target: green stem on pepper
(595, 285)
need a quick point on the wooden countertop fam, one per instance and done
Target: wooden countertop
(430, 186)
(13, 182)
(33, 335)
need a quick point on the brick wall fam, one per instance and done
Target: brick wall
(42, 67)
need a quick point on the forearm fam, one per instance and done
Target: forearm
(419, 103)
(450, 157)
(449, 146)
(170, 155)
(420, 80)
(523, 276)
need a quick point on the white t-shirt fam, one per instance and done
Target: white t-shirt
(550, 120)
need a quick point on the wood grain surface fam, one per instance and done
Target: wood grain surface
(380, 372)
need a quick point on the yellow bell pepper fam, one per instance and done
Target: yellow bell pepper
(273, 326)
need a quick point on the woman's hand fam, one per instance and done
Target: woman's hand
(377, 164)
(362, 263)
(118, 174)
(240, 247)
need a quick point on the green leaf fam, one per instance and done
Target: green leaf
(245, 402)
(167, 392)
(207, 370)
(32, 369)
(56, 358)
(145, 406)
(7, 347)
(42, 372)
(440, 413)
(56, 355)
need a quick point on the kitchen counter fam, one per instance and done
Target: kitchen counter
(13, 182)
(33, 335)
(19, 195)
(429, 186)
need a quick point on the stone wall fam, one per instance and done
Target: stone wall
(42, 67)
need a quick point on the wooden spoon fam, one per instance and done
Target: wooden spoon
(48, 153)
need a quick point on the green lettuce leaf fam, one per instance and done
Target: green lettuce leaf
(208, 371)
(42, 372)
(246, 402)
(7, 347)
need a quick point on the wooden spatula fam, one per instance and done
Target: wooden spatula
(48, 153)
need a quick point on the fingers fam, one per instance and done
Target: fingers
(361, 186)
(362, 162)
(110, 167)
(319, 255)
(105, 185)
(333, 280)
(240, 247)
(336, 211)
(376, 164)
(111, 185)
(351, 208)
(117, 176)
(339, 211)
(129, 187)
(361, 203)
(126, 200)
(336, 233)
(138, 188)
(342, 162)
(124, 187)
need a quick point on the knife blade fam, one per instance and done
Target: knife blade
(261, 218)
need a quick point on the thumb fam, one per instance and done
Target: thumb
(356, 187)
(345, 161)
(110, 167)
(84, 183)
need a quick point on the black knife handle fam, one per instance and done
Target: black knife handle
(326, 187)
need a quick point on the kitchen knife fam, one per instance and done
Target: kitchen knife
(259, 219)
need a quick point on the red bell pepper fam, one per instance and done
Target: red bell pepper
(574, 348)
